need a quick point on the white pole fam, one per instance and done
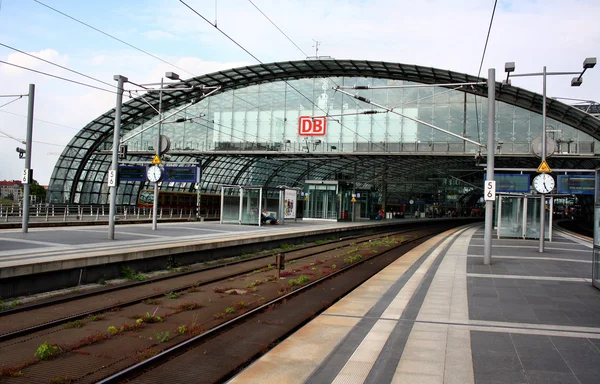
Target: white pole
(543, 201)
(489, 205)
(115, 155)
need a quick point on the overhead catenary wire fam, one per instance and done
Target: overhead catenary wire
(112, 37)
(57, 77)
(58, 65)
(287, 82)
(33, 141)
(126, 43)
(40, 120)
(22, 141)
(316, 56)
(481, 65)
(279, 29)
(12, 101)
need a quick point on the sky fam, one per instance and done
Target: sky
(446, 34)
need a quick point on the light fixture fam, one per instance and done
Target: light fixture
(509, 67)
(172, 76)
(589, 62)
(576, 81)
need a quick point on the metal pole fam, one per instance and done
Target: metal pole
(27, 186)
(543, 200)
(489, 205)
(115, 155)
(155, 205)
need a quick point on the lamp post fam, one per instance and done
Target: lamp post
(509, 67)
(172, 76)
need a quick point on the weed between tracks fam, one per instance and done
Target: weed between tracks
(205, 306)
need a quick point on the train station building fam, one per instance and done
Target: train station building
(407, 142)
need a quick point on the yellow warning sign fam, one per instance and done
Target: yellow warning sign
(156, 160)
(353, 200)
(544, 167)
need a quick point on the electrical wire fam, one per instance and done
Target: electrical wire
(12, 101)
(12, 137)
(337, 85)
(285, 81)
(112, 37)
(487, 38)
(43, 121)
(279, 29)
(59, 66)
(33, 141)
(481, 65)
(57, 77)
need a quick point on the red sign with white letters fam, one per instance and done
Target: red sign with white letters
(312, 126)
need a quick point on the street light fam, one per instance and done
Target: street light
(172, 76)
(509, 67)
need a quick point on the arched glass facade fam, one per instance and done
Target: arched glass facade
(248, 135)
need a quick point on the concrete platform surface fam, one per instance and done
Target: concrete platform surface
(58, 248)
(438, 315)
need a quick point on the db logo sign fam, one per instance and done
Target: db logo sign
(309, 126)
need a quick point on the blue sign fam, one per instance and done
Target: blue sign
(180, 174)
(576, 184)
(511, 182)
(132, 173)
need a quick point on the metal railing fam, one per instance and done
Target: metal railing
(75, 212)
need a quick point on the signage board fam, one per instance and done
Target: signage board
(490, 190)
(512, 182)
(312, 126)
(180, 174)
(132, 173)
(290, 204)
(576, 184)
(112, 178)
(26, 175)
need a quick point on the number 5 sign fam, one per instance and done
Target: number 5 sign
(490, 190)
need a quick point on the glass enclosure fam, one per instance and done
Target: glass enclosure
(322, 202)
(519, 216)
(264, 117)
(510, 216)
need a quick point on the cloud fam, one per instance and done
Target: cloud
(31, 62)
(437, 33)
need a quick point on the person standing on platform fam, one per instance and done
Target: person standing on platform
(380, 215)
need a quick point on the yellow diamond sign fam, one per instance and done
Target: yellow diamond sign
(544, 167)
(156, 160)
(353, 200)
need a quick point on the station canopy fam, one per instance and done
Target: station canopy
(247, 131)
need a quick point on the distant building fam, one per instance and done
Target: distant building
(11, 187)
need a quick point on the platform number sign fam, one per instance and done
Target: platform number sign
(112, 178)
(26, 176)
(490, 190)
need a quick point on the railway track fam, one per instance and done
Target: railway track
(66, 328)
(188, 361)
(131, 293)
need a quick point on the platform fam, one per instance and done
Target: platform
(62, 257)
(438, 315)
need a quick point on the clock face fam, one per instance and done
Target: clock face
(154, 173)
(543, 183)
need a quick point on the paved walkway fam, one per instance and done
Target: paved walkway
(21, 253)
(438, 315)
